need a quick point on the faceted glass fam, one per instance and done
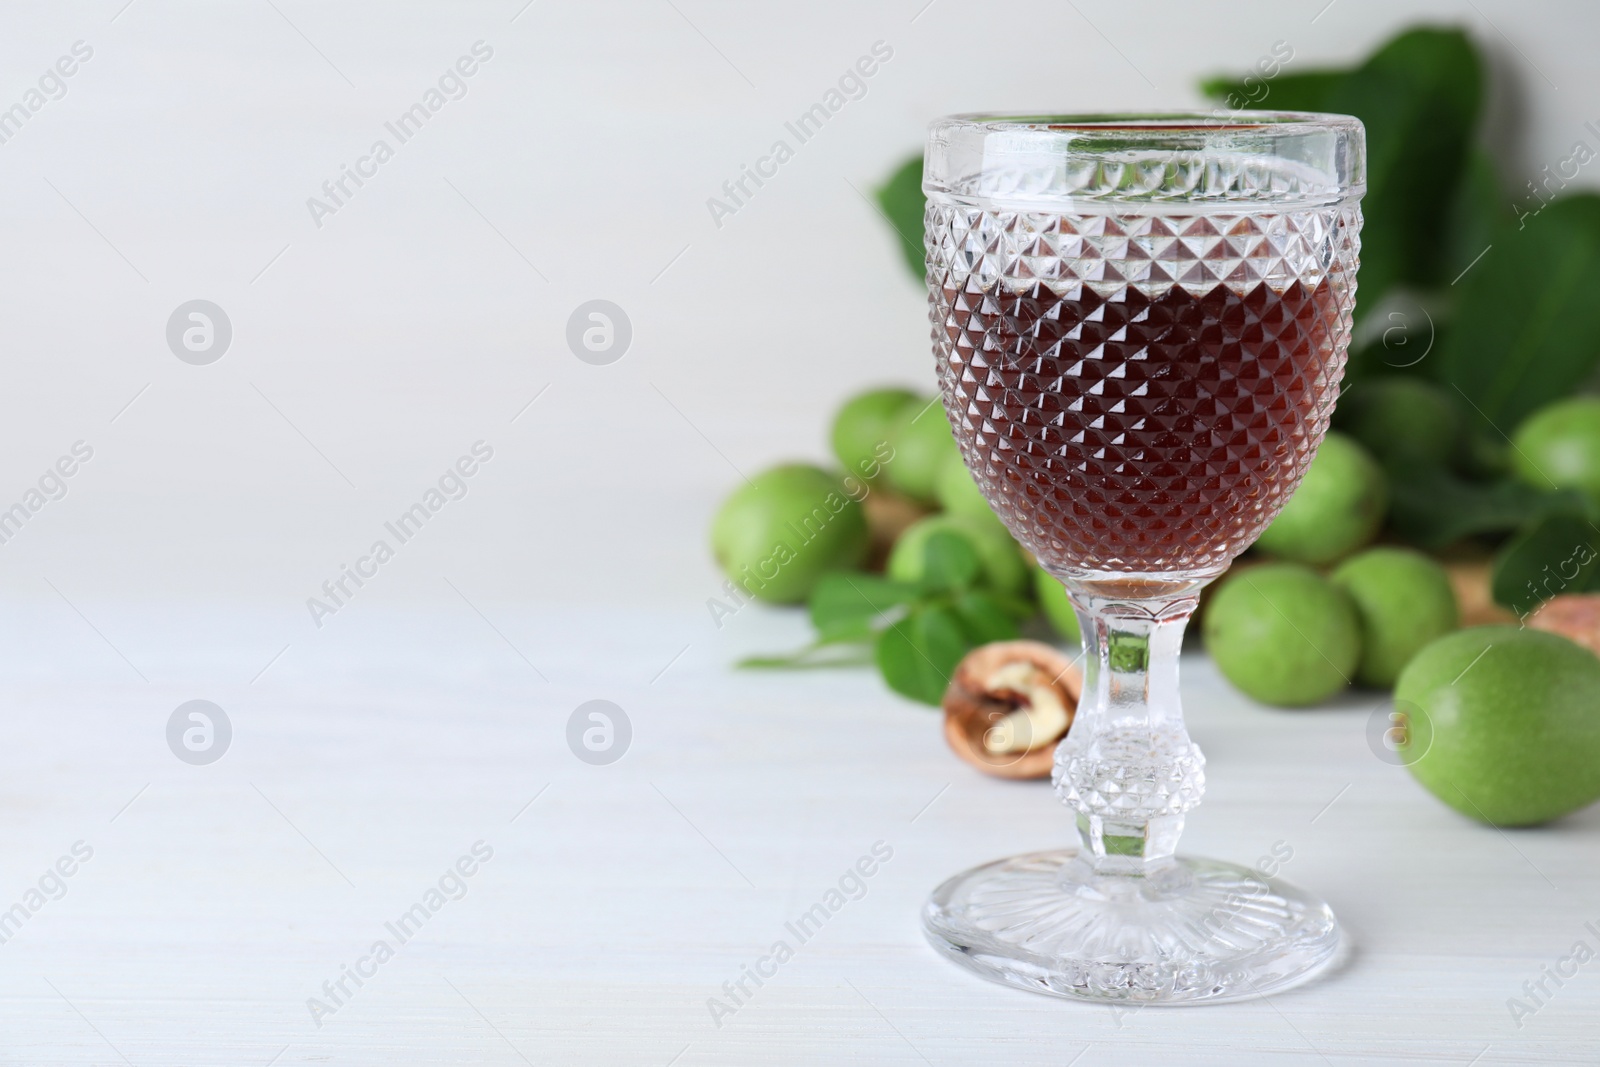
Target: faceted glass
(1140, 323)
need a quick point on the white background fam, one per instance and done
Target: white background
(371, 352)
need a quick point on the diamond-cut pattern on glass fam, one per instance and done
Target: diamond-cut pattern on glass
(1139, 394)
(1131, 775)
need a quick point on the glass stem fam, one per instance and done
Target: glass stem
(1127, 766)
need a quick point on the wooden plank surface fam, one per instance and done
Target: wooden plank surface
(219, 899)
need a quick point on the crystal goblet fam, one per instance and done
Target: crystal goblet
(1140, 322)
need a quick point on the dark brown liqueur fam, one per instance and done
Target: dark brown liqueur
(1142, 433)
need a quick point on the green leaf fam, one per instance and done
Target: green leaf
(1556, 554)
(903, 204)
(1432, 508)
(1020, 608)
(845, 604)
(918, 654)
(1483, 455)
(1419, 98)
(1480, 209)
(1528, 326)
(949, 562)
(1305, 90)
(985, 618)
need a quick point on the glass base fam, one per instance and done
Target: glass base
(1189, 931)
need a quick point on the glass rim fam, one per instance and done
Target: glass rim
(1160, 160)
(1177, 125)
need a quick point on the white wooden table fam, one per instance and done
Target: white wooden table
(619, 901)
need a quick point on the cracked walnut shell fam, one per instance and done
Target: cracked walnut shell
(1008, 704)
